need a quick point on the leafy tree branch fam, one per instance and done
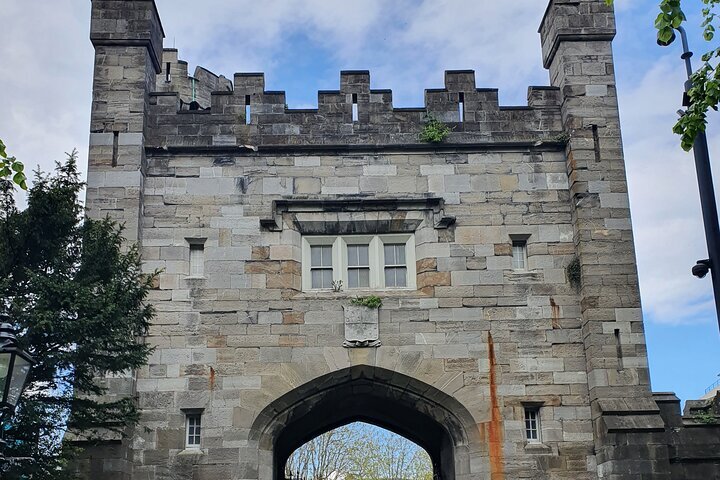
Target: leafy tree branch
(705, 92)
(11, 168)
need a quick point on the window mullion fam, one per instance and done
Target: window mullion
(379, 263)
(340, 261)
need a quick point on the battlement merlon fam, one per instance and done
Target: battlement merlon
(574, 20)
(128, 23)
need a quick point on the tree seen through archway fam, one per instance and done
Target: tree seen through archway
(359, 451)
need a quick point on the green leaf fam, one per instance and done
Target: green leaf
(19, 178)
(18, 166)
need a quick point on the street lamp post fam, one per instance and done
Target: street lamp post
(705, 185)
(15, 366)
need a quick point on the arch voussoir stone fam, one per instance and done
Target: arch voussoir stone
(407, 406)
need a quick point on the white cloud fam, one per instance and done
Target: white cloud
(663, 189)
(46, 81)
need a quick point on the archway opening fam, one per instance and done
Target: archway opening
(421, 413)
(359, 451)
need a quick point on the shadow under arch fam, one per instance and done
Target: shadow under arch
(434, 420)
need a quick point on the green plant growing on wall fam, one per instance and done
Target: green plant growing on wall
(574, 273)
(371, 301)
(704, 416)
(434, 131)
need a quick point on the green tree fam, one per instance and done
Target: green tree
(76, 295)
(11, 168)
(359, 451)
(705, 92)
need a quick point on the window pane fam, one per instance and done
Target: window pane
(531, 424)
(358, 277)
(196, 260)
(316, 255)
(321, 255)
(364, 255)
(389, 255)
(395, 254)
(400, 254)
(395, 277)
(321, 278)
(365, 277)
(358, 256)
(193, 430)
(327, 255)
(518, 250)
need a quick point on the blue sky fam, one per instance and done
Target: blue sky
(301, 45)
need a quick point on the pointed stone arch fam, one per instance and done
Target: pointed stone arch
(434, 420)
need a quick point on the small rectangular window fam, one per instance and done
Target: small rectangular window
(321, 266)
(167, 72)
(395, 266)
(461, 107)
(354, 107)
(197, 259)
(247, 109)
(358, 266)
(519, 254)
(532, 424)
(193, 426)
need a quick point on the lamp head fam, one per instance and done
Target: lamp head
(665, 43)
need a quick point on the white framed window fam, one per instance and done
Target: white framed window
(519, 254)
(196, 265)
(532, 424)
(359, 261)
(193, 427)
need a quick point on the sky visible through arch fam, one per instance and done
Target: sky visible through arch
(301, 45)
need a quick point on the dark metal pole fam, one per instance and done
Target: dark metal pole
(706, 187)
(709, 213)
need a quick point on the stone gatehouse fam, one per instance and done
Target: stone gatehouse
(509, 343)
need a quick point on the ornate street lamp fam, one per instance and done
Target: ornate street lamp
(15, 366)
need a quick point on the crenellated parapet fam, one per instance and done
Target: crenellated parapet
(197, 87)
(355, 114)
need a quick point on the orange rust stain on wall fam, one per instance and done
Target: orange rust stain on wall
(495, 428)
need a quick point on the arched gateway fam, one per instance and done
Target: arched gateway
(429, 417)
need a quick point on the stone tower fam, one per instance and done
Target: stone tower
(509, 343)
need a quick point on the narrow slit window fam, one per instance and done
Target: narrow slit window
(247, 109)
(519, 254)
(532, 424)
(618, 347)
(395, 265)
(354, 107)
(193, 426)
(461, 107)
(197, 260)
(321, 269)
(358, 266)
(116, 148)
(167, 72)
